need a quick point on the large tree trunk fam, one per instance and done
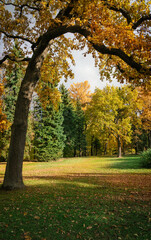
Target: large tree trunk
(13, 174)
(119, 147)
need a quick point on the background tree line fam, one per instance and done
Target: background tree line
(77, 123)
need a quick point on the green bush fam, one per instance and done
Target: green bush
(146, 158)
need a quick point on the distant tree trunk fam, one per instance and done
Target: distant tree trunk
(92, 145)
(96, 148)
(91, 150)
(74, 152)
(149, 138)
(123, 148)
(105, 149)
(13, 174)
(136, 148)
(119, 146)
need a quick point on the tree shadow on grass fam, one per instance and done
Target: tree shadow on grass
(127, 163)
(93, 180)
(75, 206)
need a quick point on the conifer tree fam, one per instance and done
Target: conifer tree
(80, 137)
(13, 79)
(49, 136)
(69, 124)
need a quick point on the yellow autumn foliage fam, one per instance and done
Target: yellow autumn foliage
(80, 92)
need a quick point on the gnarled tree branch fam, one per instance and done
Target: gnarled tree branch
(123, 11)
(66, 11)
(111, 51)
(127, 15)
(16, 37)
(141, 20)
(13, 59)
(20, 6)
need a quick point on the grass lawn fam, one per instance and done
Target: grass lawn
(79, 198)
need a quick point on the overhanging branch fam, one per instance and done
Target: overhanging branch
(110, 51)
(13, 59)
(16, 37)
(127, 15)
(123, 11)
(66, 11)
(141, 20)
(20, 6)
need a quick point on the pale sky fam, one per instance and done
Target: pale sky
(85, 70)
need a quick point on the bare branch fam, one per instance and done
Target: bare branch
(13, 59)
(16, 37)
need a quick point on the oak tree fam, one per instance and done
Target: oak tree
(118, 30)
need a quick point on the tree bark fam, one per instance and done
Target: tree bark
(119, 146)
(13, 174)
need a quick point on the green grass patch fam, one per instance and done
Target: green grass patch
(79, 198)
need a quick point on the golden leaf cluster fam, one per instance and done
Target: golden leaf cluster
(110, 23)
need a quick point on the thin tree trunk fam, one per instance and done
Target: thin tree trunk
(123, 148)
(96, 148)
(149, 138)
(119, 146)
(105, 149)
(136, 148)
(92, 145)
(74, 151)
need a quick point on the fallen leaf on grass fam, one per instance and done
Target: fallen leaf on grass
(26, 236)
(89, 227)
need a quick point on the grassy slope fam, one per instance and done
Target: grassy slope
(81, 198)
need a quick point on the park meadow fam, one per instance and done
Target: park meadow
(59, 177)
(79, 198)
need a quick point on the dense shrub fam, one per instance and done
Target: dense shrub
(146, 158)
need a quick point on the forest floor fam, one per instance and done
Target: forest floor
(90, 198)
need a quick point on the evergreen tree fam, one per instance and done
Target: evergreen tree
(69, 124)
(13, 82)
(80, 137)
(49, 136)
(13, 78)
